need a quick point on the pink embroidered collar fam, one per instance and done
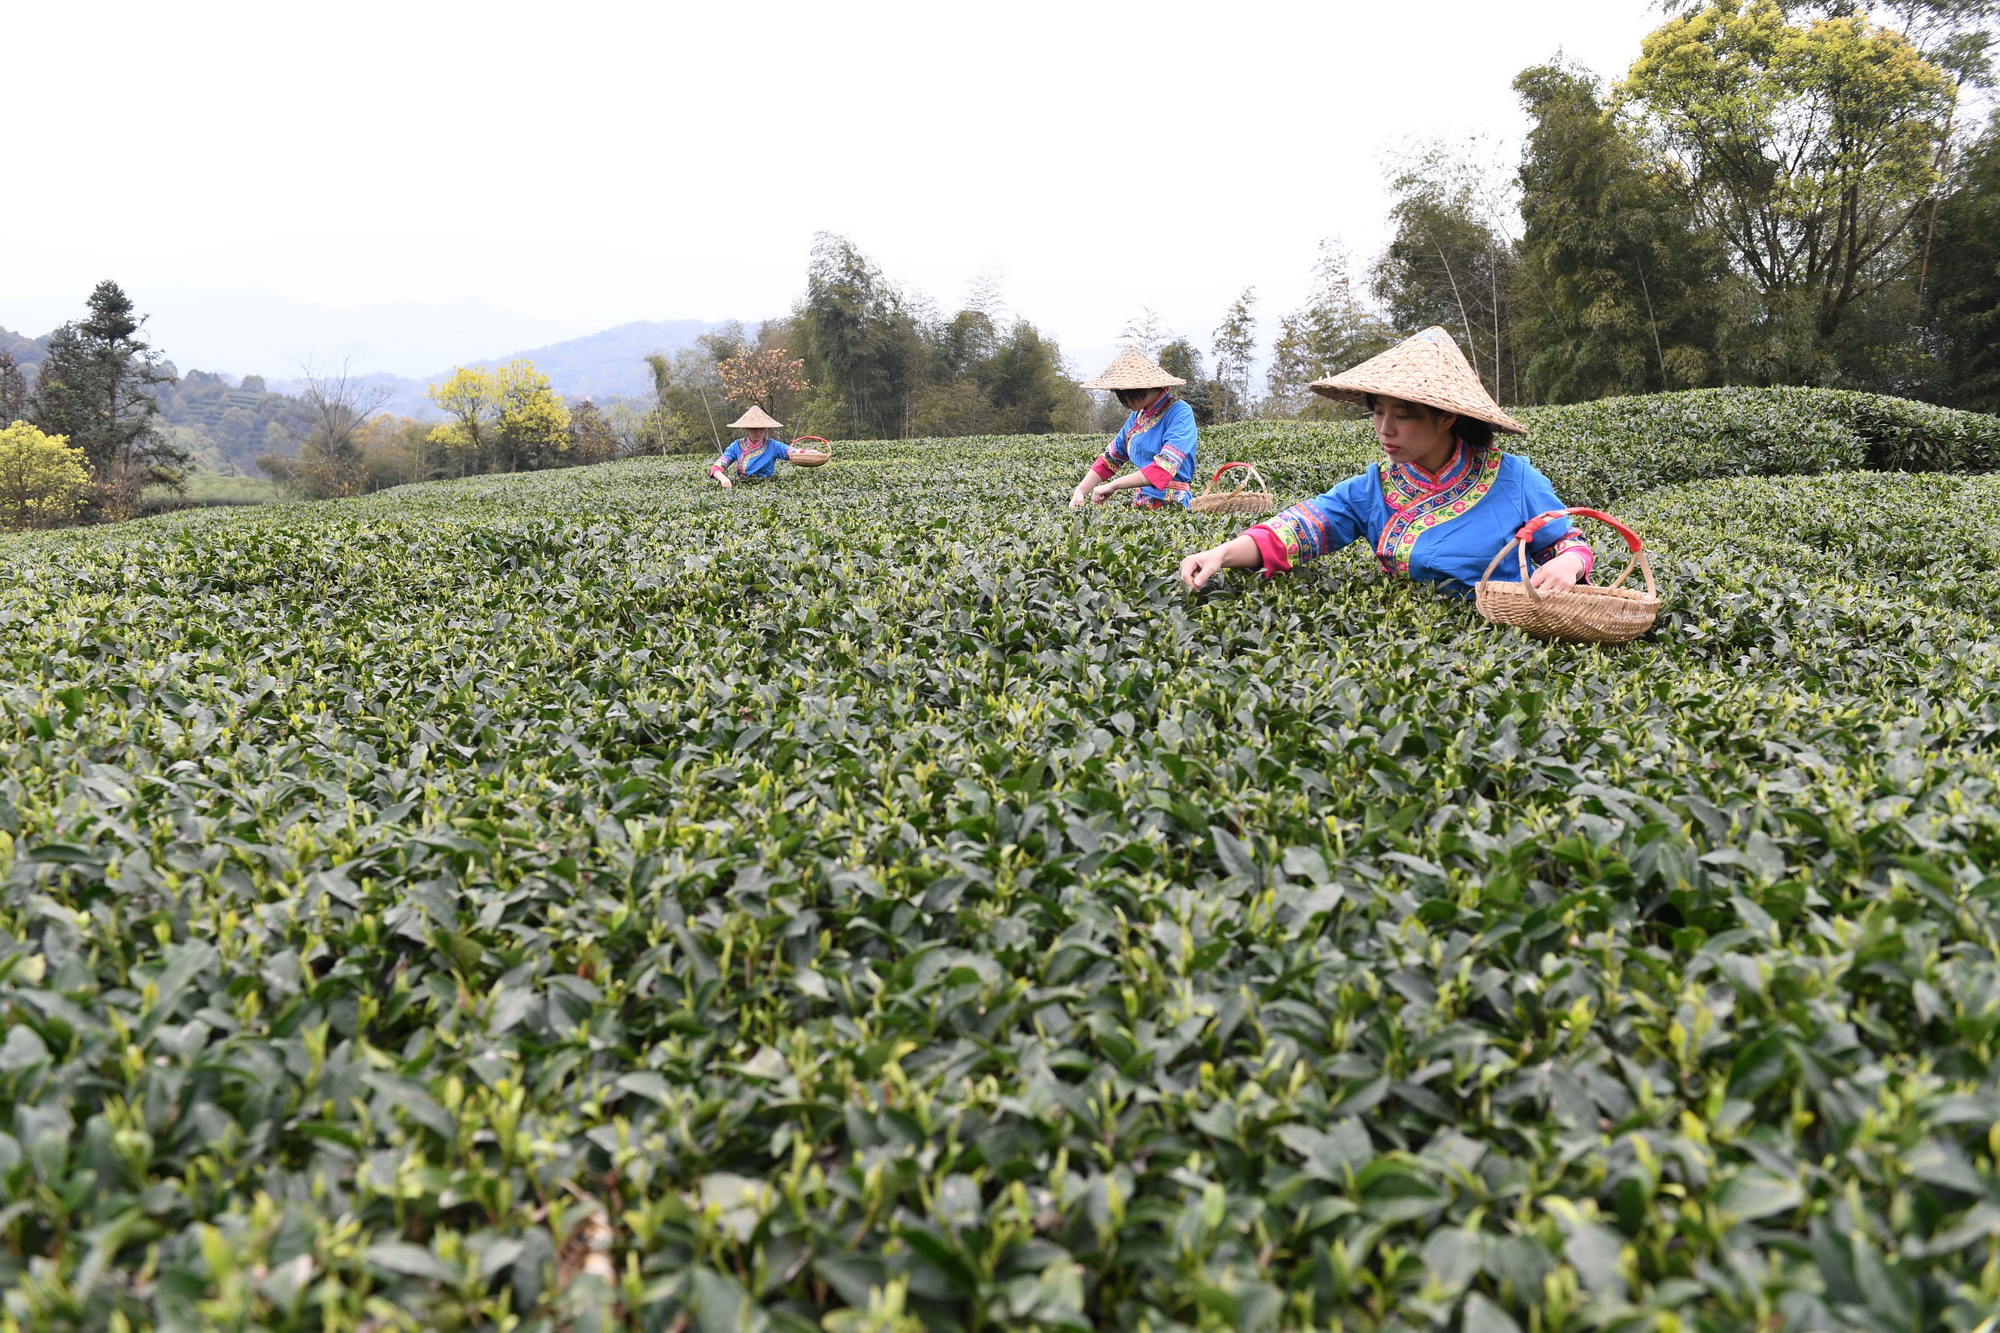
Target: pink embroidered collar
(1450, 474)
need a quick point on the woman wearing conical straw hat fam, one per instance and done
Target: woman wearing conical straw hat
(1440, 503)
(1158, 439)
(755, 456)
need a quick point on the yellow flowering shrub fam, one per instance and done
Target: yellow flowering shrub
(43, 481)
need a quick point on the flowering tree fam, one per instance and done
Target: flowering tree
(762, 378)
(507, 419)
(42, 478)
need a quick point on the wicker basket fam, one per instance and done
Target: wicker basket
(1586, 613)
(808, 457)
(1239, 499)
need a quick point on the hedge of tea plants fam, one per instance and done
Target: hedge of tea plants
(882, 899)
(1618, 447)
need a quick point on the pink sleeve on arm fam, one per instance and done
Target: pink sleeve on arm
(1273, 550)
(1567, 545)
(1157, 475)
(1103, 467)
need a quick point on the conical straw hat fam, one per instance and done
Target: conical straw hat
(1133, 370)
(754, 418)
(1427, 368)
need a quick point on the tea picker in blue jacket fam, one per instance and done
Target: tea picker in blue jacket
(755, 456)
(1158, 439)
(1443, 499)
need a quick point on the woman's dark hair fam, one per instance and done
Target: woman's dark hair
(1477, 434)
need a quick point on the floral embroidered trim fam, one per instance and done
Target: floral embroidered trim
(1416, 504)
(1301, 532)
(1104, 467)
(1277, 560)
(1146, 420)
(1120, 449)
(1177, 493)
(1405, 484)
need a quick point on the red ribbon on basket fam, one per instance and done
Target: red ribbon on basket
(1535, 524)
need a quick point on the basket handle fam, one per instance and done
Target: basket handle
(809, 439)
(1528, 530)
(1251, 468)
(1534, 525)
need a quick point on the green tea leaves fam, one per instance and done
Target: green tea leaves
(582, 898)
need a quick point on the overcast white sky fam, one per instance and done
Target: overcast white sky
(424, 182)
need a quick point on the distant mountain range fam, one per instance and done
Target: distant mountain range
(601, 366)
(26, 351)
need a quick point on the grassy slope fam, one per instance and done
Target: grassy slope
(211, 487)
(879, 878)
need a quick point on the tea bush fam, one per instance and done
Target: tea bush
(882, 899)
(1601, 452)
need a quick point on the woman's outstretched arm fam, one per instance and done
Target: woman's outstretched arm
(1096, 472)
(1097, 484)
(1131, 481)
(719, 469)
(1236, 553)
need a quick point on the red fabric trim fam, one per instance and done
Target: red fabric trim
(1272, 549)
(1443, 477)
(1104, 468)
(1157, 475)
(1564, 547)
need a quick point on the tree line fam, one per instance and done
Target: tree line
(83, 439)
(861, 358)
(505, 418)
(95, 425)
(1774, 193)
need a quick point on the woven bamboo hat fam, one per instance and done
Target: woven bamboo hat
(1133, 370)
(754, 418)
(1427, 368)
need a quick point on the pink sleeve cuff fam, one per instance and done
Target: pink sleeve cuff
(1103, 468)
(1157, 475)
(1273, 550)
(1565, 547)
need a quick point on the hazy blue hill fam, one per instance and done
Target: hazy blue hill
(612, 364)
(26, 351)
(601, 366)
(406, 396)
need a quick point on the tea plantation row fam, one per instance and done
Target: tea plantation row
(882, 899)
